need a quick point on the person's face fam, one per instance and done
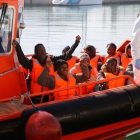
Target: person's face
(129, 52)
(41, 52)
(63, 70)
(111, 66)
(111, 50)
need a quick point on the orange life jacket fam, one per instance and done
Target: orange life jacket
(78, 68)
(72, 62)
(35, 73)
(60, 83)
(25, 71)
(90, 88)
(94, 71)
(115, 56)
(114, 83)
(87, 89)
(94, 61)
(125, 60)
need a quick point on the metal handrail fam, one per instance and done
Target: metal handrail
(77, 86)
(82, 85)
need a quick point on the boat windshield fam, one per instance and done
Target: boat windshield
(6, 27)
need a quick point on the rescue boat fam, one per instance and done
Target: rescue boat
(76, 2)
(107, 114)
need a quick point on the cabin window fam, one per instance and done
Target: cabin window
(6, 31)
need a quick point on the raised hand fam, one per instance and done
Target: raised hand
(14, 43)
(49, 63)
(78, 38)
(117, 70)
(84, 62)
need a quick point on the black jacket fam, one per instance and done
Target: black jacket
(26, 63)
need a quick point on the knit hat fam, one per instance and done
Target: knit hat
(59, 63)
(83, 56)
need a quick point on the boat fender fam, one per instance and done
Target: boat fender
(43, 126)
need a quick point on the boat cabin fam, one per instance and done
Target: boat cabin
(12, 80)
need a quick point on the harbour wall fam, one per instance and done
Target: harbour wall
(49, 2)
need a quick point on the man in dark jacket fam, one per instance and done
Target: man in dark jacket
(38, 61)
(41, 55)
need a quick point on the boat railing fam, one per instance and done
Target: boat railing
(42, 94)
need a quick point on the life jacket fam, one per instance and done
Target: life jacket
(24, 70)
(78, 68)
(90, 88)
(35, 73)
(115, 83)
(87, 89)
(94, 61)
(72, 62)
(94, 71)
(125, 60)
(115, 56)
(60, 83)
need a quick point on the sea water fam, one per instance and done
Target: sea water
(57, 26)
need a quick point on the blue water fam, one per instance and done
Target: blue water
(57, 26)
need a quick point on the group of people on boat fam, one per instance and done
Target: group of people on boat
(49, 72)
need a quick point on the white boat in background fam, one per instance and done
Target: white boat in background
(76, 2)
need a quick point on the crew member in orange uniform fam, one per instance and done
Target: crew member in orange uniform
(62, 78)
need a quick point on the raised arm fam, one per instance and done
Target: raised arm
(68, 54)
(44, 79)
(25, 62)
(73, 47)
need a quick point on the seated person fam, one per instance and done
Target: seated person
(90, 88)
(126, 57)
(94, 59)
(62, 78)
(38, 61)
(109, 70)
(111, 50)
(77, 68)
(72, 60)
